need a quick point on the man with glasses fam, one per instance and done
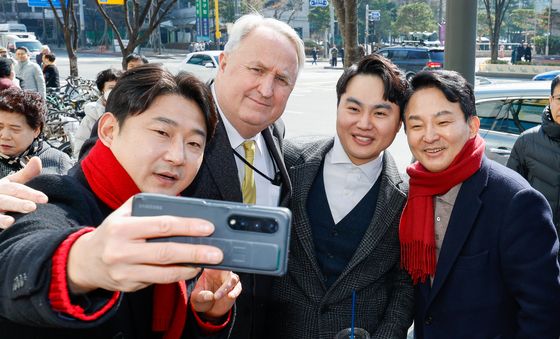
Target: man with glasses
(536, 153)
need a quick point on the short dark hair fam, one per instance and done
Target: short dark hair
(28, 103)
(450, 83)
(135, 57)
(5, 67)
(23, 48)
(106, 75)
(51, 57)
(139, 87)
(554, 83)
(394, 82)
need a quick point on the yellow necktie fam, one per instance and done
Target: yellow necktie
(248, 187)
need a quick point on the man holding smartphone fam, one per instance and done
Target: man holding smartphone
(81, 266)
(243, 161)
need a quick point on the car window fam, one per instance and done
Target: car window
(217, 58)
(423, 55)
(437, 56)
(384, 53)
(398, 54)
(510, 116)
(199, 59)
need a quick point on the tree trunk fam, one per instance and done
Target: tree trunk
(72, 57)
(351, 54)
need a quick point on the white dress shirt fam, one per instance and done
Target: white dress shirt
(267, 193)
(345, 183)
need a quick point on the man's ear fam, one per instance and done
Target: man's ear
(222, 61)
(107, 128)
(474, 125)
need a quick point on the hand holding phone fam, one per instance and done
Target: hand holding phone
(253, 239)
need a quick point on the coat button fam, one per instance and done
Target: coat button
(428, 320)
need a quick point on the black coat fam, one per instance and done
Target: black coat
(218, 179)
(51, 76)
(26, 250)
(536, 156)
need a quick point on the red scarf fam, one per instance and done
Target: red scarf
(111, 184)
(416, 229)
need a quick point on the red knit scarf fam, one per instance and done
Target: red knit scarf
(416, 229)
(111, 184)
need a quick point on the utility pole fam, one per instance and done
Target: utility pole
(82, 23)
(331, 13)
(460, 37)
(549, 28)
(367, 26)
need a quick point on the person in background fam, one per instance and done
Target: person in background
(476, 238)
(39, 57)
(105, 82)
(528, 52)
(314, 56)
(334, 56)
(519, 53)
(536, 153)
(29, 72)
(50, 71)
(135, 60)
(7, 73)
(22, 119)
(4, 52)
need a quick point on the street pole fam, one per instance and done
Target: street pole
(331, 13)
(82, 22)
(218, 33)
(460, 37)
(367, 26)
(549, 29)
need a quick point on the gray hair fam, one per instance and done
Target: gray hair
(247, 23)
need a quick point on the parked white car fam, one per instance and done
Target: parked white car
(506, 110)
(202, 64)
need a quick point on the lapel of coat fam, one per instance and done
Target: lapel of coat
(220, 163)
(304, 175)
(389, 200)
(462, 220)
(275, 148)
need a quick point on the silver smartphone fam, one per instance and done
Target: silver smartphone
(254, 239)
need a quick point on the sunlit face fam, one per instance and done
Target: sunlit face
(134, 63)
(162, 148)
(254, 80)
(15, 133)
(21, 55)
(436, 128)
(366, 123)
(554, 101)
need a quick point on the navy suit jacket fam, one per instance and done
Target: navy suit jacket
(497, 275)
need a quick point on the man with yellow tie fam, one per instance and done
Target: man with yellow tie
(243, 162)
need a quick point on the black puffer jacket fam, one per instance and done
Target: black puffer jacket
(536, 156)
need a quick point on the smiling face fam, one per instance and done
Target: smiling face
(255, 79)
(366, 123)
(15, 133)
(161, 148)
(436, 128)
(21, 55)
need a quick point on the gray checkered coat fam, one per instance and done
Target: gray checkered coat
(302, 306)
